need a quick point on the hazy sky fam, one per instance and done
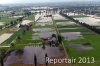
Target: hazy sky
(36, 1)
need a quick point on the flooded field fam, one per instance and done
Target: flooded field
(44, 19)
(89, 20)
(43, 29)
(28, 55)
(44, 32)
(71, 35)
(80, 47)
(1, 23)
(36, 40)
(44, 24)
(58, 17)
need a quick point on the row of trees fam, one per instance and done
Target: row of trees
(93, 28)
(8, 25)
(12, 23)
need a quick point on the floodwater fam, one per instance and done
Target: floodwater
(43, 35)
(35, 37)
(59, 17)
(30, 51)
(44, 32)
(89, 20)
(44, 24)
(42, 29)
(1, 23)
(80, 47)
(71, 35)
(44, 19)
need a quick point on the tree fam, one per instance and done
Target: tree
(18, 38)
(24, 32)
(27, 13)
(2, 55)
(1, 27)
(60, 38)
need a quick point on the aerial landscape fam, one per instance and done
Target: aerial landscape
(50, 33)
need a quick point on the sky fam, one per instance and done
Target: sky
(37, 1)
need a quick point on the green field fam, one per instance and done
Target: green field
(88, 37)
(7, 20)
(25, 38)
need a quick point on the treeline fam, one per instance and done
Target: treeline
(12, 23)
(93, 28)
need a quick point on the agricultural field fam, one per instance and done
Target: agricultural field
(28, 40)
(33, 37)
(79, 41)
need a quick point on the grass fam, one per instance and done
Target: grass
(69, 26)
(76, 41)
(91, 38)
(26, 39)
(73, 30)
(88, 37)
(7, 20)
(94, 40)
(31, 17)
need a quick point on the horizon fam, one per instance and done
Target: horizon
(42, 1)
